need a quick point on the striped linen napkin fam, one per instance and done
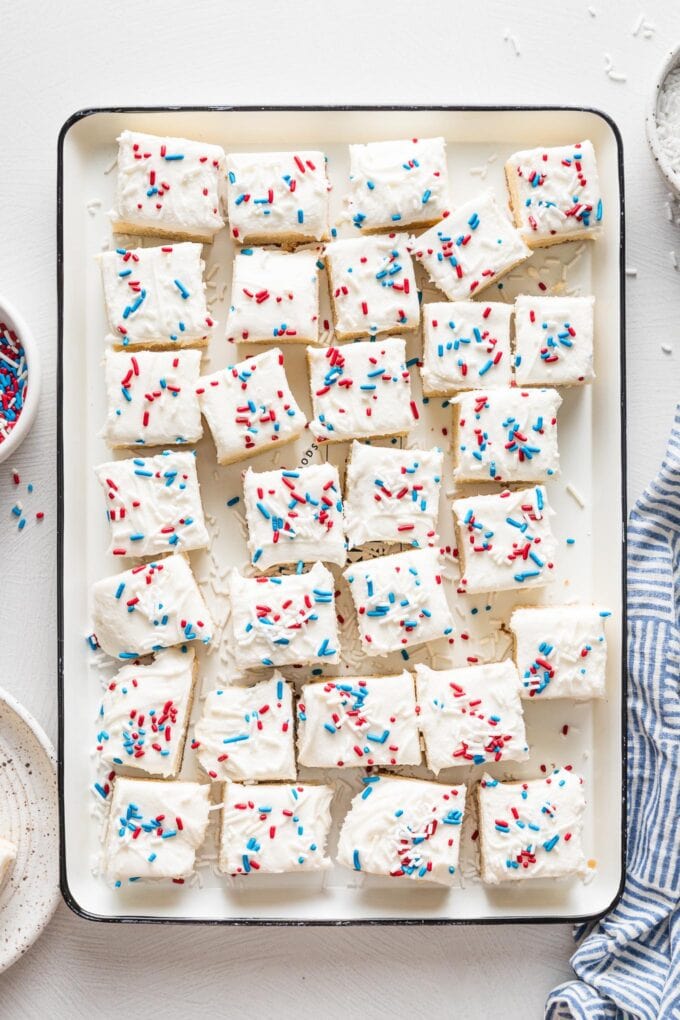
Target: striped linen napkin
(628, 965)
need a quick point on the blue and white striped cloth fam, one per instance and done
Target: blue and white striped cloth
(629, 964)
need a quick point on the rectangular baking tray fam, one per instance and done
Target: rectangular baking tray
(592, 432)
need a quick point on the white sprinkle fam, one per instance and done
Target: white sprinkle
(630, 271)
(666, 348)
(512, 39)
(674, 261)
(592, 12)
(93, 206)
(112, 166)
(638, 24)
(610, 72)
(575, 495)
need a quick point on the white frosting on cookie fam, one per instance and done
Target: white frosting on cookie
(284, 620)
(471, 715)
(553, 340)
(471, 249)
(153, 504)
(148, 608)
(168, 186)
(247, 732)
(249, 406)
(361, 390)
(531, 829)
(505, 540)
(506, 435)
(274, 829)
(144, 714)
(277, 196)
(358, 721)
(151, 398)
(8, 854)
(555, 193)
(274, 297)
(154, 829)
(392, 495)
(561, 651)
(399, 600)
(373, 286)
(294, 515)
(155, 297)
(398, 184)
(466, 344)
(404, 828)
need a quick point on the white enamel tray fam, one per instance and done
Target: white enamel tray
(588, 498)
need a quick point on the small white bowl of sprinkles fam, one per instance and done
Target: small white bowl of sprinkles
(19, 379)
(663, 122)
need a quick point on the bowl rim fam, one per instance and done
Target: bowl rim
(8, 311)
(671, 61)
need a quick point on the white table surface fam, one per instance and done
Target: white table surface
(59, 57)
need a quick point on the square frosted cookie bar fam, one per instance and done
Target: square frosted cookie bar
(505, 435)
(154, 829)
(144, 714)
(404, 828)
(466, 344)
(151, 398)
(531, 829)
(8, 855)
(555, 193)
(372, 285)
(392, 495)
(471, 716)
(168, 187)
(149, 608)
(294, 516)
(358, 721)
(153, 504)
(283, 620)
(277, 197)
(561, 651)
(274, 829)
(274, 297)
(473, 248)
(399, 600)
(247, 732)
(155, 297)
(395, 185)
(553, 340)
(249, 407)
(361, 390)
(505, 540)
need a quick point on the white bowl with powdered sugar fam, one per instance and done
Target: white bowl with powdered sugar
(663, 122)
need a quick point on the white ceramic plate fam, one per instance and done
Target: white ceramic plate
(592, 466)
(29, 817)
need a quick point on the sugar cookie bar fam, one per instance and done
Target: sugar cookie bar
(284, 620)
(358, 721)
(273, 829)
(399, 600)
(153, 504)
(8, 855)
(471, 715)
(473, 248)
(505, 435)
(561, 651)
(505, 540)
(148, 608)
(361, 390)
(277, 197)
(294, 516)
(531, 829)
(372, 285)
(466, 344)
(553, 340)
(155, 297)
(392, 495)
(395, 185)
(555, 193)
(144, 714)
(404, 828)
(249, 407)
(247, 732)
(154, 829)
(274, 297)
(151, 398)
(168, 187)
